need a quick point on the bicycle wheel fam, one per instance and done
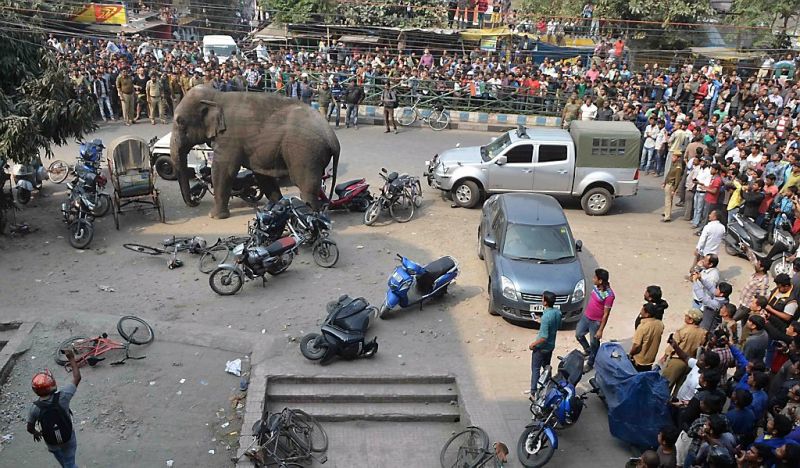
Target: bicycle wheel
(213, 257)
(465, 449)
(58, 171)
(416, 193)
(135, 330)
(405, 116)
(402, 210)
(439, 120)
(81, 344)
(306, 426)
(145, 249)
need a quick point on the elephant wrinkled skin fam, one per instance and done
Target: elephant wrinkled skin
(274, 136)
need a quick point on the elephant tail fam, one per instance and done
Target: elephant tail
(335, 149)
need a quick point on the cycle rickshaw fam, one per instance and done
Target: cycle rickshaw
(132, 177)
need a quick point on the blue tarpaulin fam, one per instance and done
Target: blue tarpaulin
(637, 401)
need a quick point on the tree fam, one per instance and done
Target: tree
(298, 11)
(771, 13)
(39, 106)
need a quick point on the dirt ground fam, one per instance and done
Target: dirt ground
(42, 278)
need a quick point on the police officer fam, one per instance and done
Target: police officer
(155, 98)
(125, 91)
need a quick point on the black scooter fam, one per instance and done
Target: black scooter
(245, 185)
(343, 332)
(743, 234)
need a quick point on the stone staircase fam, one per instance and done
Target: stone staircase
(366, 398)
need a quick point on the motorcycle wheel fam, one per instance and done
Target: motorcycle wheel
(225, 281)
(252, 195)
(372, 213)
(731, 250)
(372, 352)
(534, 448)
(313, 347)
(196, 197)
(780, 266)
(326, 253)
(23, 196)
(102, 205)
(360, 203)
(81, 233)
(278, 268)
(58, 171)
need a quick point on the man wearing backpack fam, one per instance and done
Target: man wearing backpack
(52, 414)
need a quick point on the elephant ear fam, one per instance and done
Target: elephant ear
(213, 119)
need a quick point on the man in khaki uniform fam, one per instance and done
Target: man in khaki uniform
(689, 338)
(671, 183)
(186, 82)
(155, 98)
(176, 90)
(125, 91)
(646, 339)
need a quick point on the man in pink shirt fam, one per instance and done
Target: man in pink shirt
(595, 316)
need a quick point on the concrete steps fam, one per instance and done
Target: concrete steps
(382, 398)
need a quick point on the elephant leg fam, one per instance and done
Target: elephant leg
(309, 192)
(270, 187)
(222, 176)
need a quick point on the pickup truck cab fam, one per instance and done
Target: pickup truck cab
(594, 161)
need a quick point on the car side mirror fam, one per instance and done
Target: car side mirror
(501, 160)
(579, 245)
(491, 243)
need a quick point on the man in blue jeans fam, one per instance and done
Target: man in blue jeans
(542, 348)
(594, 318)
(41, 413)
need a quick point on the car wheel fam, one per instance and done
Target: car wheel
(596, 201)
(165, 168)
(466, 194)
(492, 310)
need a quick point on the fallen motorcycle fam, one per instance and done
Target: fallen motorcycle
(353, 195)
(397, 197)
(244, 185)
(253, 261)
(343, 332)
(412, 283)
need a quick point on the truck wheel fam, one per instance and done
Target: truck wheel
(466, 194)
(596, 201)
(165, 168)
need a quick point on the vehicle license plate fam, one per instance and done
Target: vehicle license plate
(537, 308)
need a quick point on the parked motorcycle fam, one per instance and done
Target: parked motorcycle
(555, 405)
(313, 229)
(396, 196)
(743, 234)
(352, 195)
(253, 261)
(27, 178)
(244, 185)
(92, 184)
(77, 214)
(411, 283)
(343, 332)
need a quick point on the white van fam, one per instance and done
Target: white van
(223, 47)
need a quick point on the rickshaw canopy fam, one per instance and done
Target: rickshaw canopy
(129, 152)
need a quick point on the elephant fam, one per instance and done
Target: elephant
(271, 135)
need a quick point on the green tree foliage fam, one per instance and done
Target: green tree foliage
(38, 103)
(298, 11)
(565, 8)
(765, 13)
(424, 14)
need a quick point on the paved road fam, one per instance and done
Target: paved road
(454, 335)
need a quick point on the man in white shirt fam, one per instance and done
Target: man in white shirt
(736, 153)
(711, 236)
(649, 150)
(588, 110)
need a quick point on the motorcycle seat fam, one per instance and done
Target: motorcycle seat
(755, 230)
(433, 271)
(280, 246)
(340, 189)
(301, 207)
(242, 175)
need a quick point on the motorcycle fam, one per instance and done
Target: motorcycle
(244, 185)
(77, 214)
(353, 195)
(555, 405)
(314, 229)
(343, 332)
(411, 283)
(27, 178)
(92, 184)
(397, 196)
(743, 234)
(253, 261)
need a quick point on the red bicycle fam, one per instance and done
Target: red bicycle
(90, 350)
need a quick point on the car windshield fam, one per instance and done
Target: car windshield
(540, 243)
(488, 152)
(220, 50)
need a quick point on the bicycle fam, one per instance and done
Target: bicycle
(89, 351)
(470, 449)
(219, 252)
(437, 118)
(178, 244)
(287, 439)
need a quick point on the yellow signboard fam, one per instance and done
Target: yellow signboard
(102, 14)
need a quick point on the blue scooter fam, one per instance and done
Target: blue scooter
(412, 283)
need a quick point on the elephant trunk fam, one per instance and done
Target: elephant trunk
(178, 150)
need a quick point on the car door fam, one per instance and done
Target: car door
(553, 169)
(494, 232)
(516, 174)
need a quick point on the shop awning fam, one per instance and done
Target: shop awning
(726, 53)
(359, 39)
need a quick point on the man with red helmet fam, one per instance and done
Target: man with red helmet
(52, 410)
